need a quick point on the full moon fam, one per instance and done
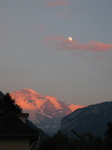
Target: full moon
(70, 38)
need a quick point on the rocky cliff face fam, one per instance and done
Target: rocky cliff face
(93, 118)
(45, 111)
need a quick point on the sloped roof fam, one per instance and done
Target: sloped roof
(11, 125)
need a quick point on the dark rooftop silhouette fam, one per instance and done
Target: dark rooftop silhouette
(10, 124)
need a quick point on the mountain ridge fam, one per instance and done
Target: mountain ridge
(45, 111)
(93, 118)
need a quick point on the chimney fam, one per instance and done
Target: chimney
(23, 117)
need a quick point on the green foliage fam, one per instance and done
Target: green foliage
(11, 103)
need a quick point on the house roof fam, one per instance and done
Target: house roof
(11, 125)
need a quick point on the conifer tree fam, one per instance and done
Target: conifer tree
(11, 103)
(108, 136)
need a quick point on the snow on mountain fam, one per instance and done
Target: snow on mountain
(74, 107)
(45, 111)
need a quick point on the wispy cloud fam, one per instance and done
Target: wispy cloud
(57, 2)
(62, 43)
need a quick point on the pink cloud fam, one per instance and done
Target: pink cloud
(58, 2)
(62, 43)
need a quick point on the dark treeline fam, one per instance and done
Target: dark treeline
(87, 141)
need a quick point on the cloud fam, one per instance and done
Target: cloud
(62, 43)
(57, 2)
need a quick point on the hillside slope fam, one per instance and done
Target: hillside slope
(93, 118)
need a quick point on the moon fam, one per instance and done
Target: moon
(70, 38)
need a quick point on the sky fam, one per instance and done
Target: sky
(35, 51)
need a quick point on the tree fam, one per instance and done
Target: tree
(108, 133)
(11, 103)
(59, 141)
(108, 136)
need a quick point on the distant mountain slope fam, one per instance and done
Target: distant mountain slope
(45, 111)
(93, 118)
(1, 95)
(43, 136)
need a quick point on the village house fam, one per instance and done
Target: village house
(15, 134)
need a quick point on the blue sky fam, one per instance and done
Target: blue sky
(35, 51)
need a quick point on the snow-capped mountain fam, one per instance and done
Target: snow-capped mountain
(45, 111)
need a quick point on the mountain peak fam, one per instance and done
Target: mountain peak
(54, 101)
(30, 90)
(74, 107)
(45, 111)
